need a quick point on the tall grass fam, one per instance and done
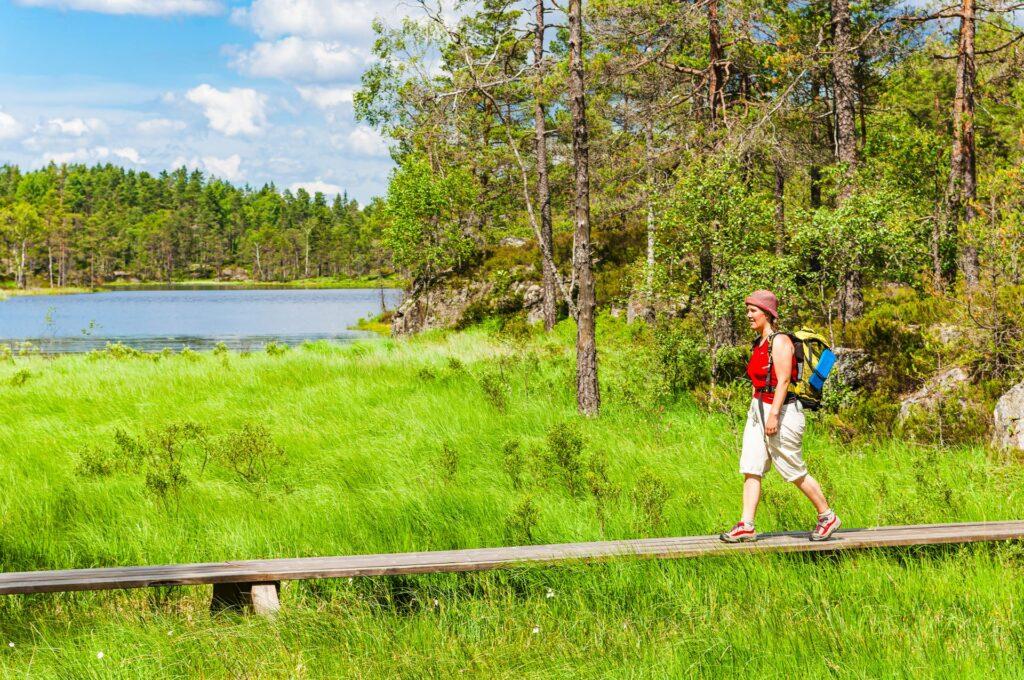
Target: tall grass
(396, 446)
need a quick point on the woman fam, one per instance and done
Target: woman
(775, 424)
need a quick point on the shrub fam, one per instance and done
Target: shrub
(521, 523)
(251, 453)
(275, 349)
(649, 497)
(565, 455)
(513, 462)
(601, 489)
(20, 377)
(448, 462)
(495, 390)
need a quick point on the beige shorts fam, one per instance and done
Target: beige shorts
(784, 447)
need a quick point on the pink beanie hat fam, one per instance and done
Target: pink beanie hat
(766, 300)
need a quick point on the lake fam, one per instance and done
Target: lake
(153, 319)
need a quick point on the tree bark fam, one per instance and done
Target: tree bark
(780, 208)
(845, 87)
(588, 398)
(851, 295)
(962, 189)
(716, 69)
(546, 245)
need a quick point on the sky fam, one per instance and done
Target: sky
(251, 91)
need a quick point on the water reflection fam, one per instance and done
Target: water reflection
(151, 320)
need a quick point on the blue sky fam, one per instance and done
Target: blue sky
(248, 90)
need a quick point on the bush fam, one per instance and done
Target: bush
(565, 455)
(251, 453)
(649, 497)
(521, 522)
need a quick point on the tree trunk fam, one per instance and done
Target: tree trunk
(588, 397)
(21, 264)
(845, 87)
(716, 69)
(962, 189)
(780, 208)
(851, 295)
(546, 245)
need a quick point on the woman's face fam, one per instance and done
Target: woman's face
(756, 317)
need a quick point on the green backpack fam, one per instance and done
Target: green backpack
(814, 360)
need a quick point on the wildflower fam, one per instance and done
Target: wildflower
(170, 632)
(536, 629)
(550, 594)
(436, 603)
(11, 645)
(99, 655)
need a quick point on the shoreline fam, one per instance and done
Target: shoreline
(212, 284)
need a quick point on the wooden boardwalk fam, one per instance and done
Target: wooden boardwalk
(255, 582)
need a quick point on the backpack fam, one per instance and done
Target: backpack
(814, 360)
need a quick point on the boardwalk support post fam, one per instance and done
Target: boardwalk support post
(256, 598)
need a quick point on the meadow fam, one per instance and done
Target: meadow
(458, 440)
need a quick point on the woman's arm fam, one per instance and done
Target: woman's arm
(782, 361)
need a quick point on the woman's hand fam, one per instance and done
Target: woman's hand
(771, 427)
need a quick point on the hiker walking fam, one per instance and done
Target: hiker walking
(775, 423)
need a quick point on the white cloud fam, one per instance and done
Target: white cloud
(365, 141)
(323, 19)
(226, 168)
(129, 154)
(301, 59)
(326, 188)
(9, 127)
(235, 111)
(326, 97)
(79, 155)
(147, 7)
(159, 126)
(74, 127)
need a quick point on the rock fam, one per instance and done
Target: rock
(444, 305)
(934, 390)
(638, 308)
(854, 368)
(946, 333)
(513, 242)
(1009, 419)
(533, 303)
(233, 274)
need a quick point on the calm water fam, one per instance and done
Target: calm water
(153, 319)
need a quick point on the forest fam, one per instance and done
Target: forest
(76, 225)
(670, 157)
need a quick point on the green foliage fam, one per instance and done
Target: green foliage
(513, 462)
(112, 223)
(427, 211)
(448, 462)
(522, 522)
(20, 377)
(275, 349)
(649, 496)
(565, 455)
(252, 455)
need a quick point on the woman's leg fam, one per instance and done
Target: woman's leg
(751, 496)
(809, 485)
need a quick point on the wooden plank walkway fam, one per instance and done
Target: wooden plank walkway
(254, 583)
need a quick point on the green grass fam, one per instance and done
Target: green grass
(364, 428)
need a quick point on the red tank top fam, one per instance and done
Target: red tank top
(757, 371)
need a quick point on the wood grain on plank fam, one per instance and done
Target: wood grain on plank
(478, 559)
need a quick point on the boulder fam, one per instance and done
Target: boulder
(932, 392)
(233, 274)
(1009, 419)
(533, 302)
(513, 242)
(440, 306)
(854, 368)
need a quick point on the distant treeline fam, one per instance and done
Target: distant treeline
(78, 225)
